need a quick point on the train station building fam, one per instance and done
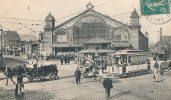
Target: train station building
(71, 35)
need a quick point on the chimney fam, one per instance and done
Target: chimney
(161, 35)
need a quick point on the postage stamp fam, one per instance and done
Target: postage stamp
(156, 11)
(154, 7)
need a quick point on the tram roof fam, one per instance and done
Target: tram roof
(129, 52)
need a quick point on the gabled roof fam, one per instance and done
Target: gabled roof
(134, 14)
(96, 40)
(107, 17)
(143, 35)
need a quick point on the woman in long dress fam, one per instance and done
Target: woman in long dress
(156, 72)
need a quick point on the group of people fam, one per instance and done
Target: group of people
(19, 85)
(65, 59)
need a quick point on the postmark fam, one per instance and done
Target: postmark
(156, 11)
(158, 19)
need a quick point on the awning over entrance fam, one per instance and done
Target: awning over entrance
(61, 45)
(120, 44)
(97, 51)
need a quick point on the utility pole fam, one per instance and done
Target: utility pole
(78, 46)
(1, 43)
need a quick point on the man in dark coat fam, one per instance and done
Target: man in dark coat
(77, 75)
(107, 84)
(19, 86)
(148, 62)
(62, 59)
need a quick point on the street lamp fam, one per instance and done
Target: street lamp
(1, 42)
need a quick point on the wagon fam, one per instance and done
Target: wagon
(85, 71)
(164, 66)
(42, 72)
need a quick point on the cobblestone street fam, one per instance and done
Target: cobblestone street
(133, 88)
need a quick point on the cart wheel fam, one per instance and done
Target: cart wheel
(52, 76)
(95, 78)
(85, 74)
(127, 75)
(38, 78)
(43, 78)
(101, 80)
(98, 79)
(162, 71)
(30, 79)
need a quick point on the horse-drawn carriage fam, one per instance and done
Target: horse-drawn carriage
(42, 72)
(165, 66)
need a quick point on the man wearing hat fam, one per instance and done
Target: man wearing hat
(77, 75)
(107, 84)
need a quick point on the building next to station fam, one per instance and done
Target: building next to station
(11, 41)
(162, 48)
(71, 35)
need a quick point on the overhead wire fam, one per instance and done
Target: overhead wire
(21, 23)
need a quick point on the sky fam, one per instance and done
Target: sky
(35, 12)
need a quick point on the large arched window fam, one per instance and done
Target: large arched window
(121, 34)
(89, 27)
(60, 35)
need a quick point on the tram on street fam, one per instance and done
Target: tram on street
(128, 63)
(91, 61)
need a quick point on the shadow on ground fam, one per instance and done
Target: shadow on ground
(29, 95)
(45, 80)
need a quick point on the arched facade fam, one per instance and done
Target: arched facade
(72, 34)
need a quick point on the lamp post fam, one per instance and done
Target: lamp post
(1, 42)
(78, 45)
(39, 47)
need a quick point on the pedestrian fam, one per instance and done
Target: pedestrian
(77, 75)
(56, 72)
(65, 59)
(62, 60)
(156, 72)
(148, 62)
(28, 56)
(8, 74)
(20, 85)
(68, 60)
(107, 84)
(123, 68)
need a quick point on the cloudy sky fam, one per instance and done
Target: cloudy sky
(33, 13)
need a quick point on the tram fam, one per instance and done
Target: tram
(128, 63)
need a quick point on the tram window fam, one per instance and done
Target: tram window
(132, 59)
(129, 59)
(136, 58)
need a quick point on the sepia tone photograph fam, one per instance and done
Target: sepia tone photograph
(85, 49)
